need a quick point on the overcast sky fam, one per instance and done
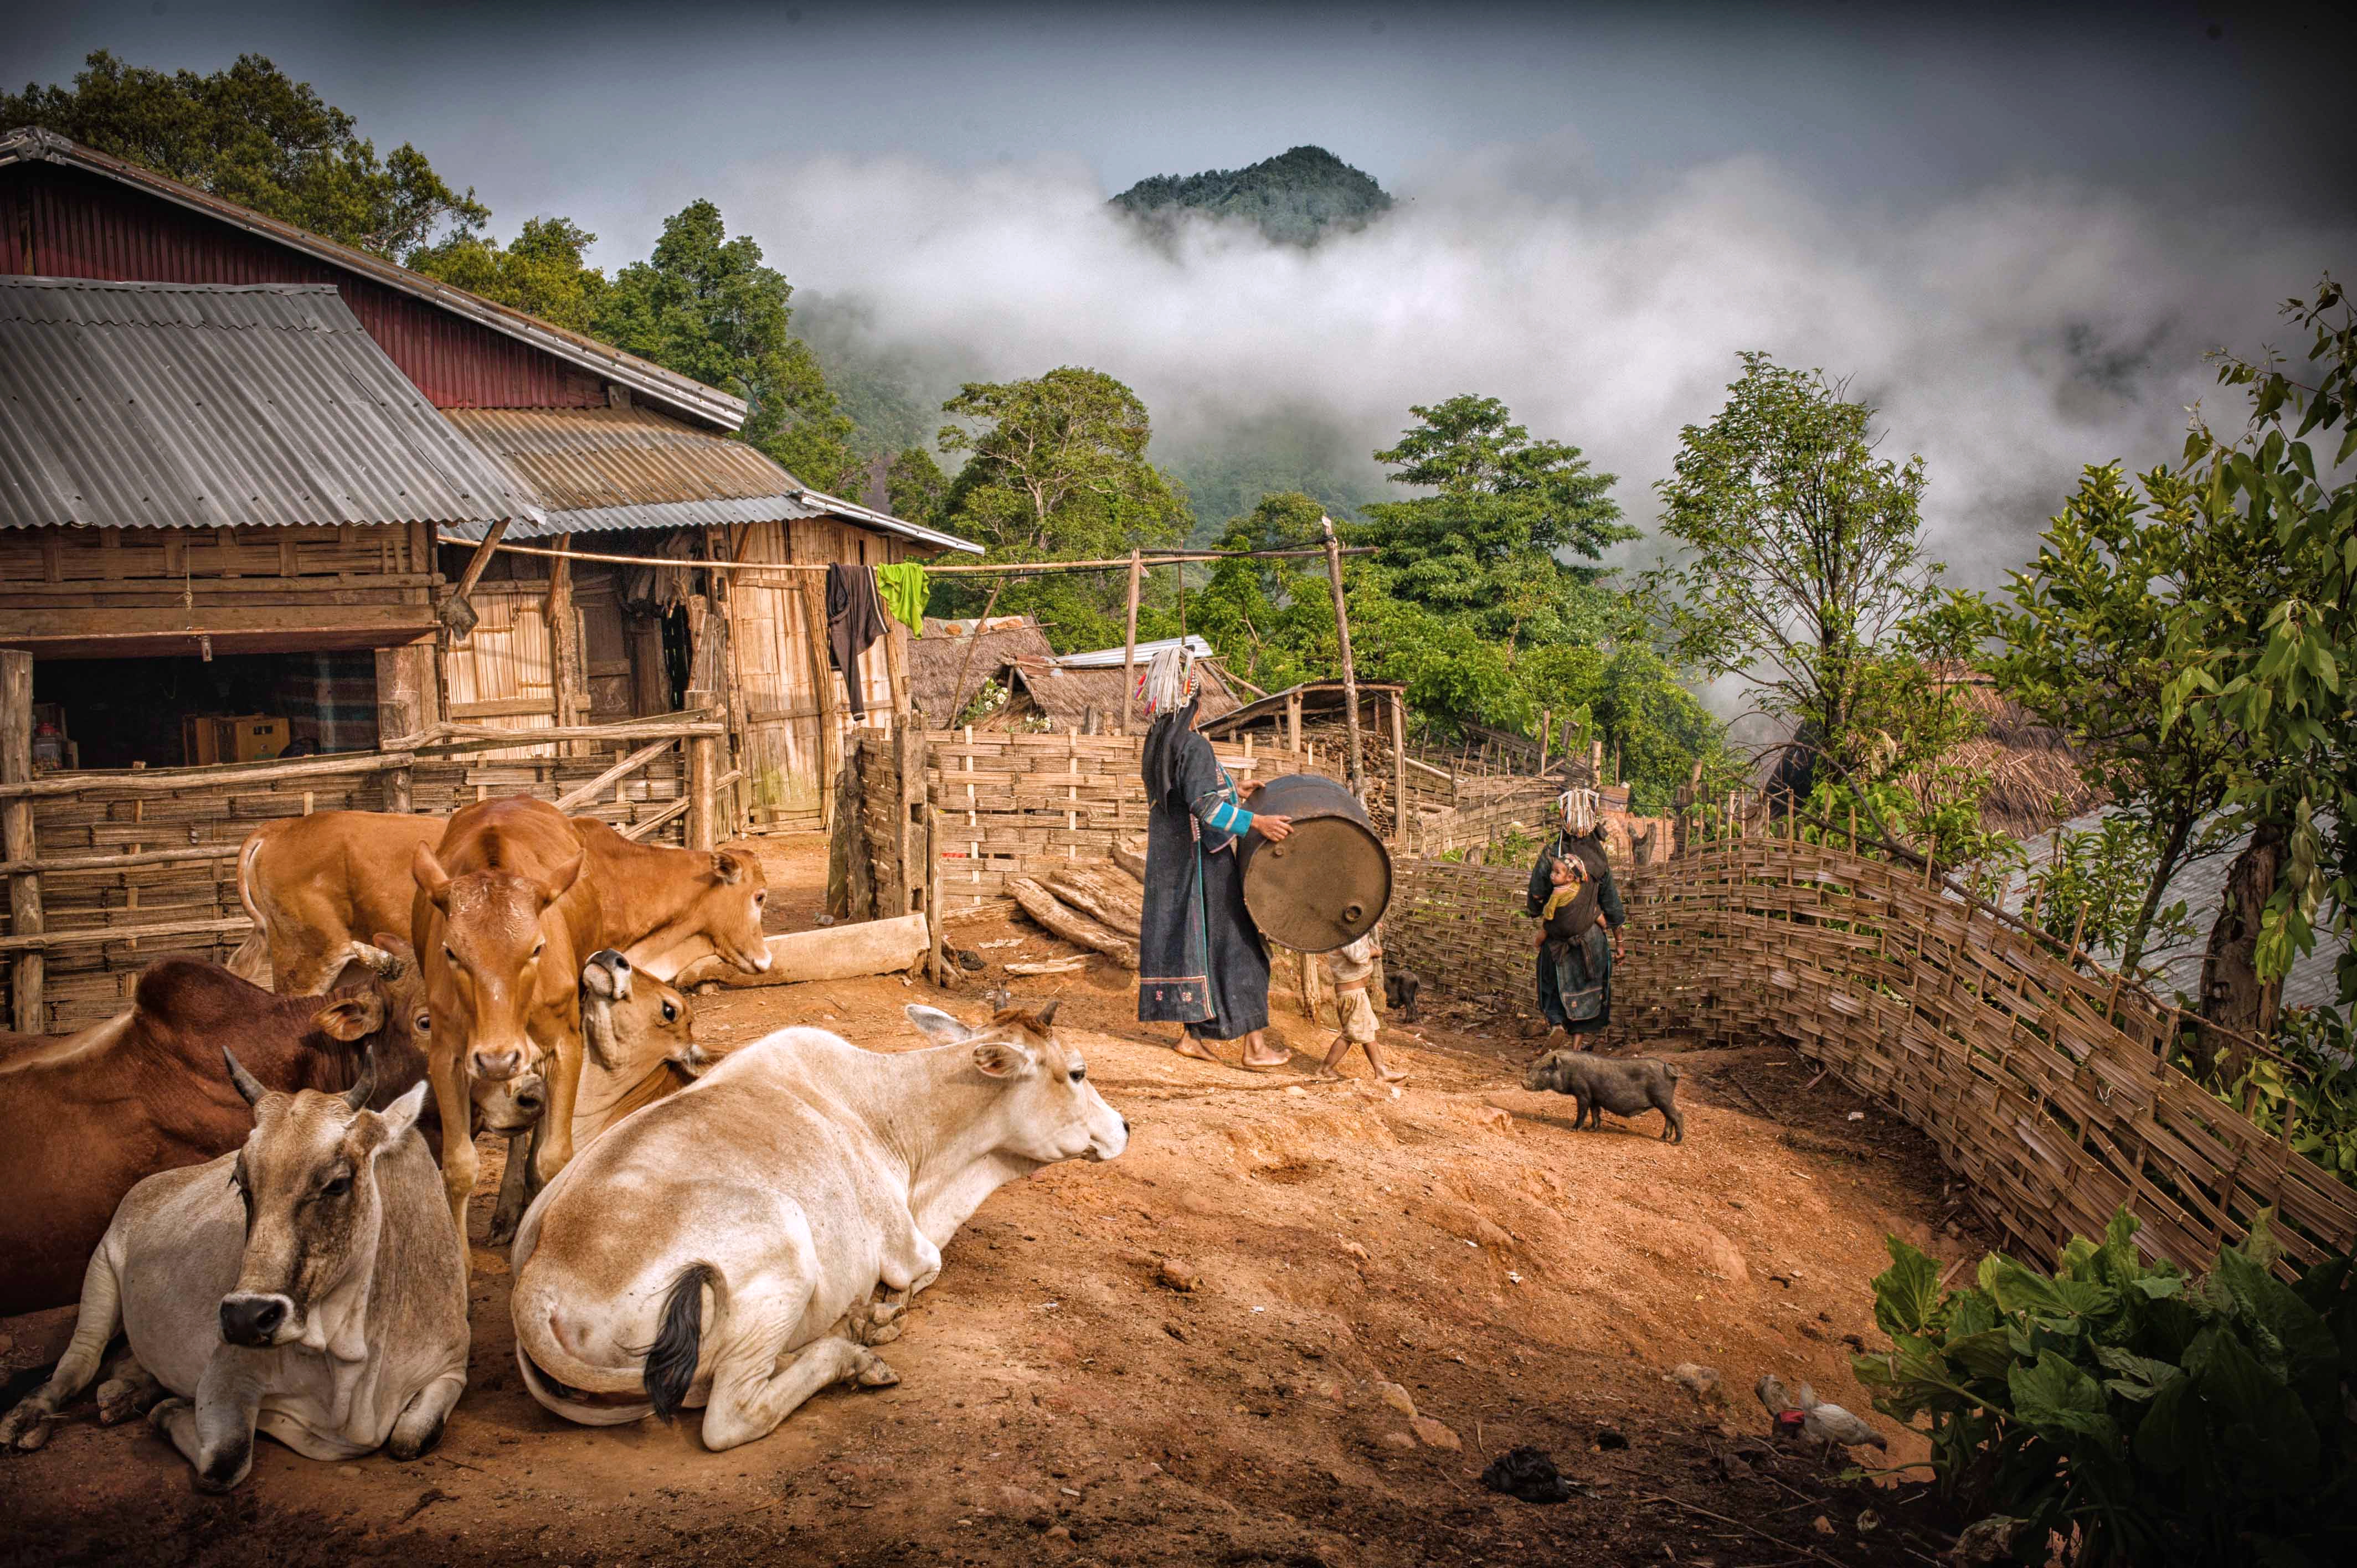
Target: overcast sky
(2017, 230)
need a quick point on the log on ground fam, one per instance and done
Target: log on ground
(1071, 924)
(832, 952)
(1130, 859)
(1106, 894)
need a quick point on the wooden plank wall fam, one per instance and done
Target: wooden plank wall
(2045, 1084)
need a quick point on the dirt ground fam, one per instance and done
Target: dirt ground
(1062, 1404)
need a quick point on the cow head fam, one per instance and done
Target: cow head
(484, 971)
(308, 1175)
(377, 1003)
(731, 906)
(1048, 1108)
(631, 1025)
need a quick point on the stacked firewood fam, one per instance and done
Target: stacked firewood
(1094, 904)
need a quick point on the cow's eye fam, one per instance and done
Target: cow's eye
(759, 899)
(1079, 1073)
(540, 946)
(425, 1023)
(336, 1186)
(670, 1013)
(450, 955)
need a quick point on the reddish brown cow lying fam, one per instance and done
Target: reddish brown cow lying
(316, 885)
(84, 1117)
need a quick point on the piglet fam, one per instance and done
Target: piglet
(1626, 1086)
(1400, 986)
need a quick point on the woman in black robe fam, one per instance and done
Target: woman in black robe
(1580, 916)
(1201, 962)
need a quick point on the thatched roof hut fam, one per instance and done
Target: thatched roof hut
(2033, 777)
(1039, 684)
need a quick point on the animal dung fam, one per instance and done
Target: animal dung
(1528, 1474)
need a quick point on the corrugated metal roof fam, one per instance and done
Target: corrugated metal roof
(178, 405)
(1110, 658)
(685, 393)
(597, 470)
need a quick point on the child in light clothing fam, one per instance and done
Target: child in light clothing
(1353, 969)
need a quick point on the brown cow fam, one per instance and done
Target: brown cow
(497, 938)
(314, 885)
(85, 1117)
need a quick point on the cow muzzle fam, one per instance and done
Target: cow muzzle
(496, 1065)
(257, 1320)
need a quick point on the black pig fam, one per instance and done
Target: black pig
(1624, 1086)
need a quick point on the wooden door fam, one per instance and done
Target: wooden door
(503, 675)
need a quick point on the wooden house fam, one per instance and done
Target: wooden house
(242, 469)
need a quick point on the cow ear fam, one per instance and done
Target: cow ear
(355, 1017)
(401, 1116)
(938, 1026)
(727, 867)
(431, 879)
(1002, 1058)
(561, 881)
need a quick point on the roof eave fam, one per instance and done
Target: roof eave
(33, 145)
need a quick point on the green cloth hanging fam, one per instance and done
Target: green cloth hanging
(902, 588)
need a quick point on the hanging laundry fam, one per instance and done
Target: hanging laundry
(855, 619)
(902, 584)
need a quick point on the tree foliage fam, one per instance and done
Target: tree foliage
(1056, 465)
(1295, 197)
(252, 136)
(1802, 559)
(543, 273)
(1486, 547)
(915, 488)
(705, 306)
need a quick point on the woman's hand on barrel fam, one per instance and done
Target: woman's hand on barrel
(1273, 828)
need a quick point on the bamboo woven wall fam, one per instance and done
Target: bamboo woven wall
(2046, 1086)
(1010, 805)
(87, 981)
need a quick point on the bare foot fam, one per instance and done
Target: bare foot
(1189, 1046)
(1393, 1075)
(1260, 1055)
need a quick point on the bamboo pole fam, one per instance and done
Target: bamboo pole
(1356, 769)
(965, 661)
(1400, 816)
(977, 568)
(700, 791)
(28, 980)
(631, 764)
(1129, 645)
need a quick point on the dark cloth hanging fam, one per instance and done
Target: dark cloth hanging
(1575, 963)
(855, 619)
(1201, 962)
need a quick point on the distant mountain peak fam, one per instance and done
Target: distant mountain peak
(1294, 198)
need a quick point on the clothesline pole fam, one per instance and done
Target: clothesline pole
(1129, 644)
(977, 568)
(1356, 771)
(957, 688)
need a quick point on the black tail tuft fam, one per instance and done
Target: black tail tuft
(671, 1359)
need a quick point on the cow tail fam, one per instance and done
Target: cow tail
(253, 956)
(679, 1342)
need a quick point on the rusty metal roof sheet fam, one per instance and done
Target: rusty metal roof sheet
(599, 470)
(685, 394)
(179, 405)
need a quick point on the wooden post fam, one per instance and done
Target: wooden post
(1129, 642)
(1399, 770)
(1546, 728)
(1293, 722)
(456, 612)
(1355, 771)
(965, 661)
(17, 835)
(564, 644)
(812, 586)
(700, 803)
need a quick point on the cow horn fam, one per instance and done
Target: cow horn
(248, 1086)
(386, 965)
(357, 1097)
(1046, 1014)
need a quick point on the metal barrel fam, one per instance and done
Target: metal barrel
(1328, 882)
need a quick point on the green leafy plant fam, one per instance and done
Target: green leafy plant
(2134, 1412)
(2098, 885)
(2315, 1086)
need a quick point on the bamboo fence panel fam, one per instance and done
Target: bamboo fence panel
(2043, 1081)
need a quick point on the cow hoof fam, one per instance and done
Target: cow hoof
(25, 1428)
(160, 1414)
(884, 1335)
(870, 1372)
(499, 1232)
(123, 1399)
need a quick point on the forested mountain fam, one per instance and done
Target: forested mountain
(1295, 197)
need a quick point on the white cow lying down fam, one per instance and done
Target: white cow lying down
(720, 1248)
(308, 1285)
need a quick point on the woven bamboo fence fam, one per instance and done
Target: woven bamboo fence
(2044, 1082)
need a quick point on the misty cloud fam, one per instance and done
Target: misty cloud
(2010, 335)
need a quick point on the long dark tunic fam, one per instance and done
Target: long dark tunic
(1201, 962)
(1575, 964)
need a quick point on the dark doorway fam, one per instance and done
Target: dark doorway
(119, 712)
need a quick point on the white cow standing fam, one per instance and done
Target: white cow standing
(720, 1248)
(308, 1285)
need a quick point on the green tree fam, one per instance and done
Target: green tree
(251, 136)
(1802, 561)
(1272, 620)
(1635, 706)
(2085, 646)
(703, 305)
(2261, 660)
(542, 274)
(1487, 545)
(915, 486)
(1056, 465)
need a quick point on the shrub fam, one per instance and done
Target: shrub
(2140, 1414)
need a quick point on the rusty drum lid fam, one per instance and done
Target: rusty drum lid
(1328, 882)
